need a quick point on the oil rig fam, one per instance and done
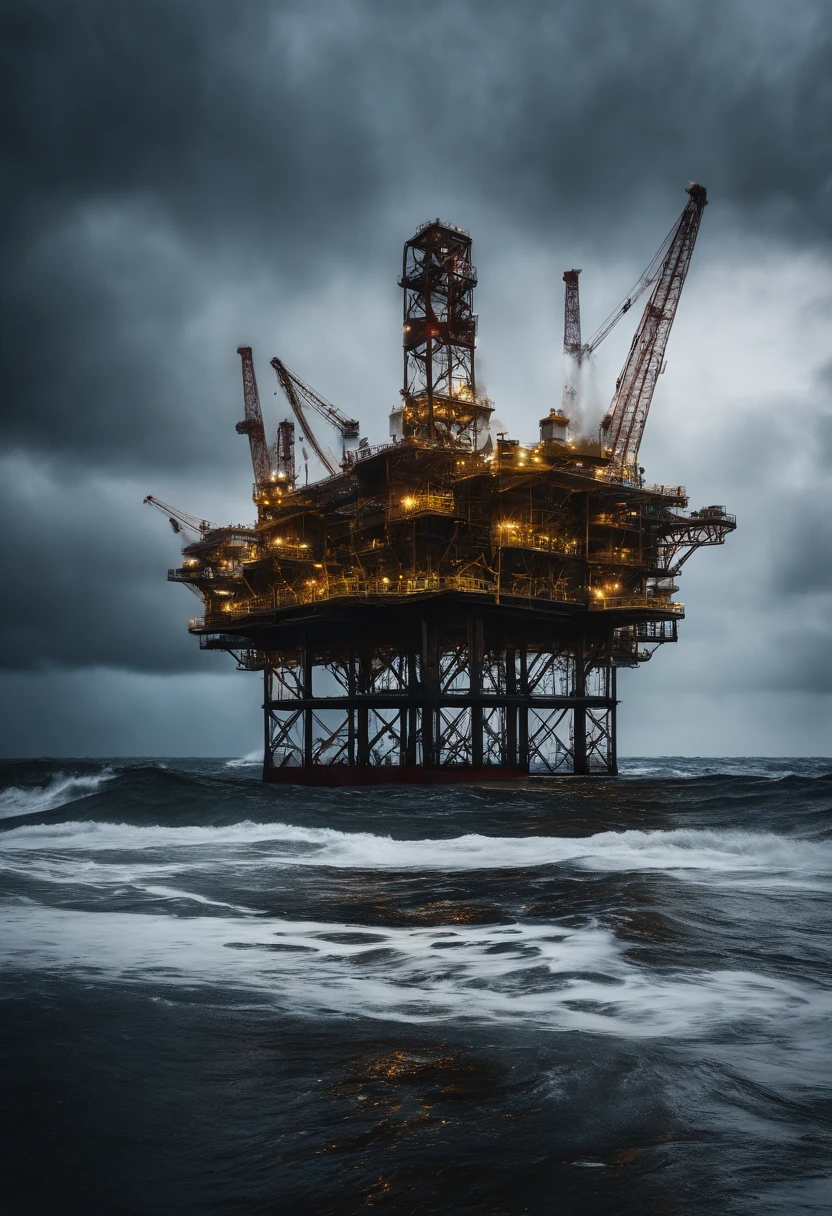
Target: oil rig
(452, 604)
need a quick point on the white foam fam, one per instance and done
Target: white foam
(718, 767)
(248, 761)
(555, 978)
(23, 800)
(686, 853)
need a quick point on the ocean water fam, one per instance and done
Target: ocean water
(570, 996)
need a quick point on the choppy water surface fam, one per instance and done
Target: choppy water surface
(577, 996)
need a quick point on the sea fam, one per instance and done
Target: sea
(567, 996)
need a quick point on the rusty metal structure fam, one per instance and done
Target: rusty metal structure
(451, 605)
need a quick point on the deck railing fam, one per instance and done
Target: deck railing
(653, 603)
(353, 587)
(422, 504)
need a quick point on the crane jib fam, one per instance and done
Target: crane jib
(623, 426)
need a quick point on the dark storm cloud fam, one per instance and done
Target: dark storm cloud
(84, 582)
(159, 151)
(165, 157)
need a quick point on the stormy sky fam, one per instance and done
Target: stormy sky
(182, 176)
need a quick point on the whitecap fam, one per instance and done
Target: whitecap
(693, 854)
(248, 761)
(555, 978)
(63, 788)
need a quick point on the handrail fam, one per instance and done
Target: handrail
(359, 453)
(524, 536)
(421, 504)
(356, 587)
(653, 603)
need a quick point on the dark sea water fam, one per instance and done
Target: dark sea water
(605, 996)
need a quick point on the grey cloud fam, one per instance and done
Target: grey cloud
(84, 579)
(168, 159)
(160, 153)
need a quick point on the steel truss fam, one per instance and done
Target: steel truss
(447, 709)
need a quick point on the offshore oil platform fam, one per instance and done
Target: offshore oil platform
(453, 605)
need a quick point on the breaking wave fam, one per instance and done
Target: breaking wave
(251, 760)
(682, 852)
(61, 790)
(553, 977)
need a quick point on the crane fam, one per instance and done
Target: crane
(623, 425)
(252, 423)
(573, 347)
(179, 519)
(301, 396)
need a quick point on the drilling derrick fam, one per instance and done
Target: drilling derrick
(439, 397)
(452, 606)
(285, 451)
(572, 349)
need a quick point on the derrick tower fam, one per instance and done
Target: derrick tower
(439, 328)
(452, 605)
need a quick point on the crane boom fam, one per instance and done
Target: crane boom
(179, 519)
(647, 279)
(289, 385)
(623, 426)
(252, 423)
(346, 427)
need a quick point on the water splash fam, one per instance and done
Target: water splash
(61, 790)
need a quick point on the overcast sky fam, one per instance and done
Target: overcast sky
(182, 176)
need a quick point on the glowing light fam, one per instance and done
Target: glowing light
(408, 503)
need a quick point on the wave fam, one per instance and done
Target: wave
(683, 852)
(556, 978)
(682, 768)
(251, 760)
(62, 789)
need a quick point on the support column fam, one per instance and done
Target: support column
(523, 713)
(410, 757)
(267, 720)
(307, 713)
(613, 718)
(475, 646)
(352, 685)
(510, 757)
(365, 679)
(430, 689)
(580, 765)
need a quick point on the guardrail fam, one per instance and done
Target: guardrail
(358, 454)
(521, 536)
(651, 603)
(422, 504)
(617, 559)
(349, 588)
(300, 551)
